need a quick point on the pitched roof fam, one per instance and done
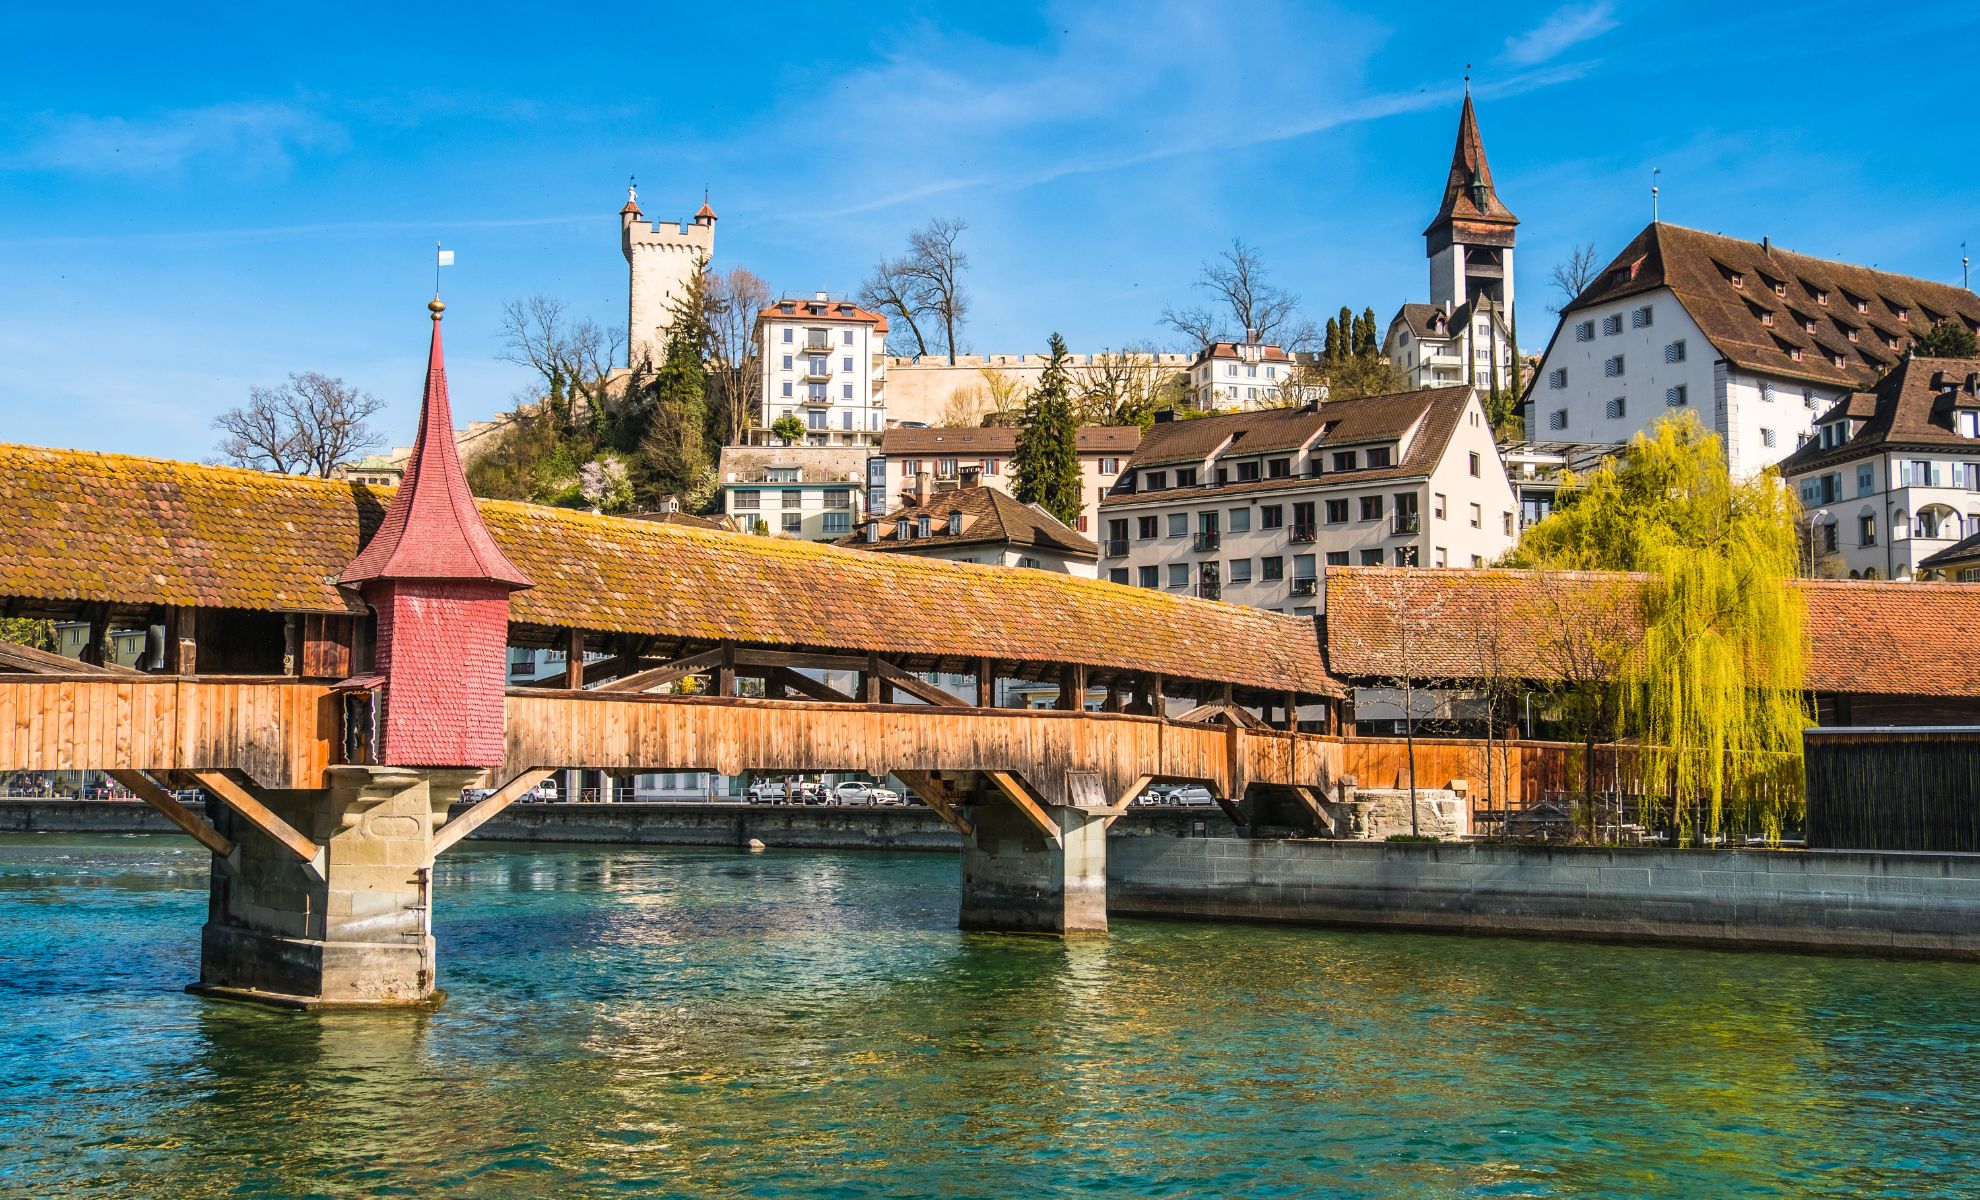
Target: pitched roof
(1417, 319)
(1469, 197)
(1700, 267)
(78, 526)
(1865, 638)
(1001, 439)
(1433, 412)
(431, 530)
(1961, 555)
(989, 517)
(1235, 350)
(1912, 406)
(823, 310)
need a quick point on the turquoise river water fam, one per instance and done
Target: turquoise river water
(660, 1022)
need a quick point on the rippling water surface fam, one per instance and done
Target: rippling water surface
(660, 1022)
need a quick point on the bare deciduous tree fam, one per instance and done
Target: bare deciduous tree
(308, 426)
(1414, 617)
(735, 359)
(923, 288)
(1571, 278)
(936, 266)
(1007, 397)
(1122, 387)
(572, 355)
(1236, 281)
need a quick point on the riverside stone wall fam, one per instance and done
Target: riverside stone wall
(1864, 901)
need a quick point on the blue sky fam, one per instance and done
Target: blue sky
(197, 202)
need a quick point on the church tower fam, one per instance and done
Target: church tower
(660, 260)
(1470, 246)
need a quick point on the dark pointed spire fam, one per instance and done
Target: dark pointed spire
(432, 529)
(1468, 192)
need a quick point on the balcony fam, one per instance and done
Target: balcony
(818, 346)
(1304, 533)
(1210, 589)
(1208, 540)
(1306, 586)
(818, 374)
(816, 400)
(1405, 524)
(1116, 547)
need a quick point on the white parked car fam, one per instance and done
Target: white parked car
(764, 791)
(886, 796)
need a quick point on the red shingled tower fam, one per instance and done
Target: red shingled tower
(440, 588)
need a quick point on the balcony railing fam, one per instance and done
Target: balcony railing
(1208, 540)
(818, 399)
(1210, 589)
(1306, 586)
(1304, 533)
(1405, 523)
(815, 375)
(1117, 547)
(819, 346)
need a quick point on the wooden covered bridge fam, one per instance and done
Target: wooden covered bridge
(327, 663)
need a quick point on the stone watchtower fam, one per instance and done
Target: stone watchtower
(660, 258)
(1470, 244)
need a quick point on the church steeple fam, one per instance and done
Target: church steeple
(1469, 196)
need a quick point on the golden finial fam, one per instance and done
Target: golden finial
(435, 307)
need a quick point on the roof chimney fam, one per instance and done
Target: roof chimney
(924, 487)
(821, 297)
(1766, 243)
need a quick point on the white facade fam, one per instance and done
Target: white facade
(1240, 377)
(660, 258)
(1267, 544)
(1616, 368)
(824, 363)
(1879, 516)
(983, 456)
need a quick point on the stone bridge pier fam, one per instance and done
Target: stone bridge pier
(349, 926)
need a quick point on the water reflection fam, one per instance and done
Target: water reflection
(645, 1022)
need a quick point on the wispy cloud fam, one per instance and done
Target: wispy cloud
(254, 138)
(1564, 29)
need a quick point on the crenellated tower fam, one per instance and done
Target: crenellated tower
(660, 260)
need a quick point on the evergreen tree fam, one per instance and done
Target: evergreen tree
(1949, 339)
(1346, 319)
(1045, 466)
(1332, 350)
(1370, 340)
(1713, 692)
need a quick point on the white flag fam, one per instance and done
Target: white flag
(446, 258)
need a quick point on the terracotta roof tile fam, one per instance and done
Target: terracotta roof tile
(1912, 406)
(99, 527)
(989, 517)
(1001, 439)
(1865, 638)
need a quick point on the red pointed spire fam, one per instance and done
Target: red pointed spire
(432, 529)
(1468, 192)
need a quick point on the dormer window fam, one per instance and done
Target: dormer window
(1822, 298)
(1808, 324)
(1794, 353)
(901, 530)
(1185, 477)
(1904, 314)
(1737, 280)
(1862, 306)
(922, 525)
(955, 523)
(1780, 289)
(1155, 481)
(1766, 316)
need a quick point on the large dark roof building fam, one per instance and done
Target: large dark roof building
(1754, 339)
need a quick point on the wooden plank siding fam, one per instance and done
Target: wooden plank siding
(729, 736)
(280, 733)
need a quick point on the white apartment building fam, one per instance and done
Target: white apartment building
(1756, 340)
(982, 454)
(1252, 508)
(809, 492)
(824, 363)
(1892, 476)
(1465, 335)
(1241, 377)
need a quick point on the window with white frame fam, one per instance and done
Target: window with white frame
(1675, 397)
(793, 522)
(1557, 378)
(1674, 352)
(1613, 367)
(1557, 419)
(1767, 438)
(1612, 324)
(1640, 318)
(1584, 331)
(1616, 408)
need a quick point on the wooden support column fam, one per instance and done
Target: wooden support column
(574, 658)
(1114, 701)
(1158, 702)
(986, 683)
(869, 681)
(1292, 713)
(1072, 687)
(95, 650)
(291, 644)
(725, 671)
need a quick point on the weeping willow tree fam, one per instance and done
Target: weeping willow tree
(1713, 693)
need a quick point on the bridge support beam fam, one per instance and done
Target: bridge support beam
(352, 928)
(1017, 878)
